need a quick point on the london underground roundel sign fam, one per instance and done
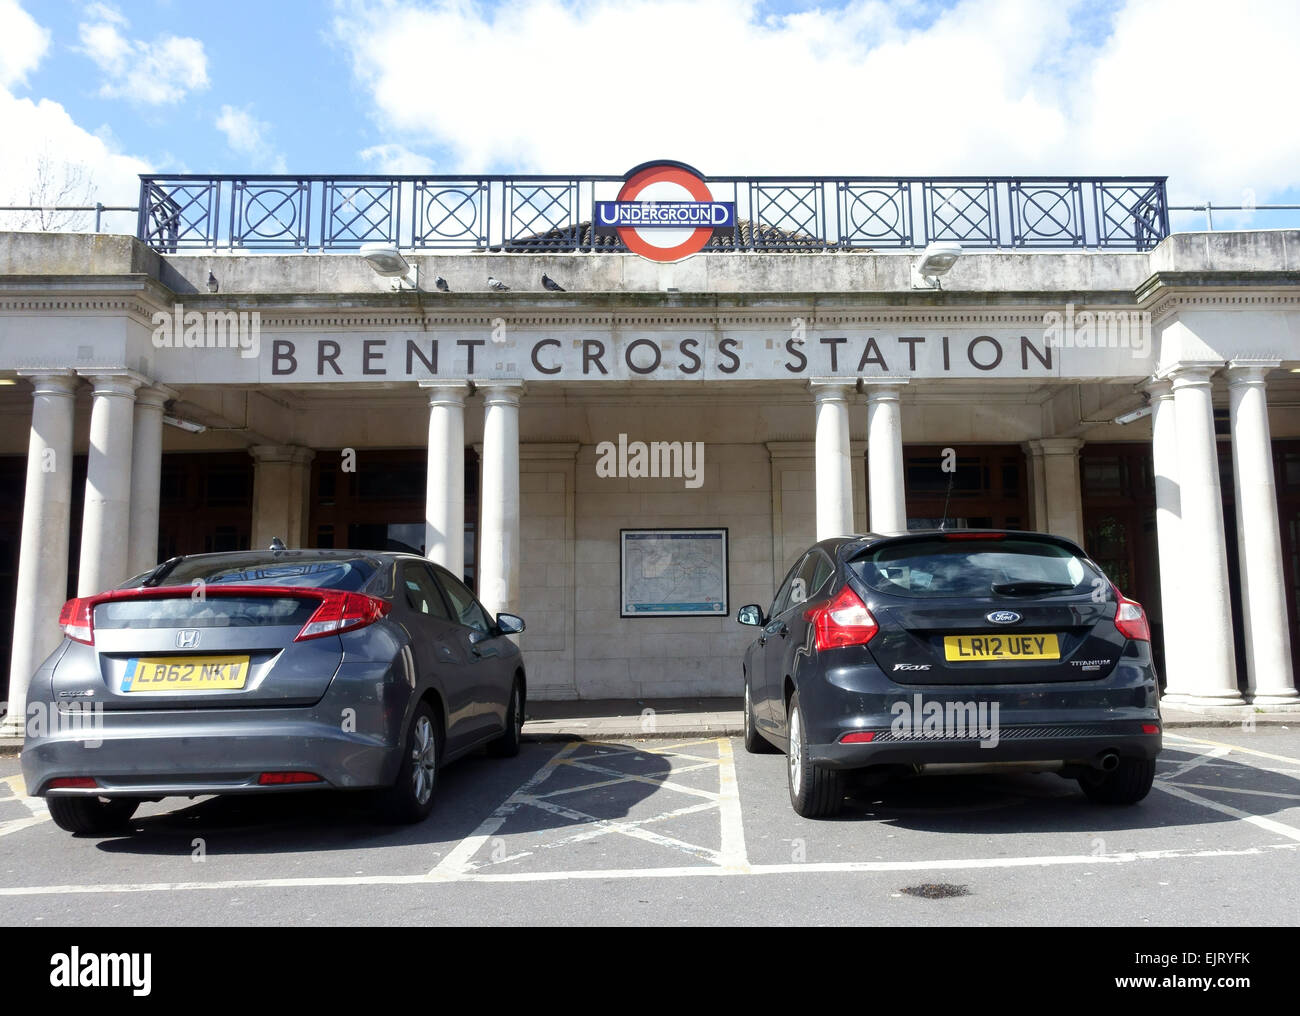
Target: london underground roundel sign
(665, 212)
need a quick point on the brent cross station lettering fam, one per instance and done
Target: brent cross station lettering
(823, 384)
(693, 356)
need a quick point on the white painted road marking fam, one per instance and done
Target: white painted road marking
(690, 871)
(37, 812)
(731, 858)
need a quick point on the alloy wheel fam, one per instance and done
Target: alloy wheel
(424, 758)
(796, 748)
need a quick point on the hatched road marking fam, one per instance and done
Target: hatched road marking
(464, 863)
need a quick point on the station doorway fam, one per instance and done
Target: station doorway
(375, 500)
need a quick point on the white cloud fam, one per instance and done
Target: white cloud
(22, 43)
(44, 132)
(243, 131)
(247, 135)
(46, 156)
(396, 159)
(1177, 87)
(151, 73)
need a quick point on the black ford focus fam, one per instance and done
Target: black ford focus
(966, 648)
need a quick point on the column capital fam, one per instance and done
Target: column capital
(1158, 388)
(831, 389)
(882, 389)
(1250, 371)
(63, 381)
(154, 395)
(281, 453)
(447, 393)
(115, 382)
(501, 391)
(1190, 374)
(1056, 445)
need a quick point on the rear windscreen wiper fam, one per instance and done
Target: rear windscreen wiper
(1025, 587)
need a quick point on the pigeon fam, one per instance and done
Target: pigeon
(441, 283)
(551, 284)
(496, 284)
(213, 286)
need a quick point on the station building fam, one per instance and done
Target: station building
(546, 407)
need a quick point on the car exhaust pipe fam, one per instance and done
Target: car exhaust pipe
(1108, 762)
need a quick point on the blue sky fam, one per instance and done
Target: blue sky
(1178, 87)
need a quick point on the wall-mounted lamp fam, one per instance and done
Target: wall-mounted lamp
(935, 261)
(388, 262)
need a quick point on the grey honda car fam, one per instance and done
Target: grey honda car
(268, 672)
(965, 649)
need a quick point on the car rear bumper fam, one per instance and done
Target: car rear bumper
(1083, 745)
(1059, 721)
(213, 752)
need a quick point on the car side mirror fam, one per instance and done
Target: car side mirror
(510, 624)
(751, 613)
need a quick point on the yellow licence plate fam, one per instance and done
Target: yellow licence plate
(973, 648)
(185, 673)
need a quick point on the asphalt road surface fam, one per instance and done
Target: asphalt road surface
(662, 832)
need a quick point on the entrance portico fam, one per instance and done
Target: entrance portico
(799, 440)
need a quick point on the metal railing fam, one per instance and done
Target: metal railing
(98, 208)
(1209, 209)
(554, 213)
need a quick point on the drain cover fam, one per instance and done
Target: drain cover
(937, 890)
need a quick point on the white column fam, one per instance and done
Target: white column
(833, 462)
(146, 476)
(1212, 680)
(1179, 620)
(444, 505)
(106, 522)
(43, 550)
(282, 495)
(498, 583)
(886, 495)
(1062, 496)
(1259, 543)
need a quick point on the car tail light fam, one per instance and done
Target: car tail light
(1150, 728)
(72, 783)
(278, 779)
(339, 612)
(1131, 619)
(859, 737)
(845, 621)
(76, 620)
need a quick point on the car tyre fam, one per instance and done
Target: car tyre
(815, 791)
(410, 798)
(1127, 783)
(91, 814)
(507, 745)
(755, 743)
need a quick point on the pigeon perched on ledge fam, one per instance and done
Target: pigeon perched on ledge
(551, 284)
(497, 284)
(441, 283)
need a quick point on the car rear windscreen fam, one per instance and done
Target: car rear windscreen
(213, 612)
(944, 566)
(347, 574)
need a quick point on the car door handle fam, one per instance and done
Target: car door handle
(783, 631)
